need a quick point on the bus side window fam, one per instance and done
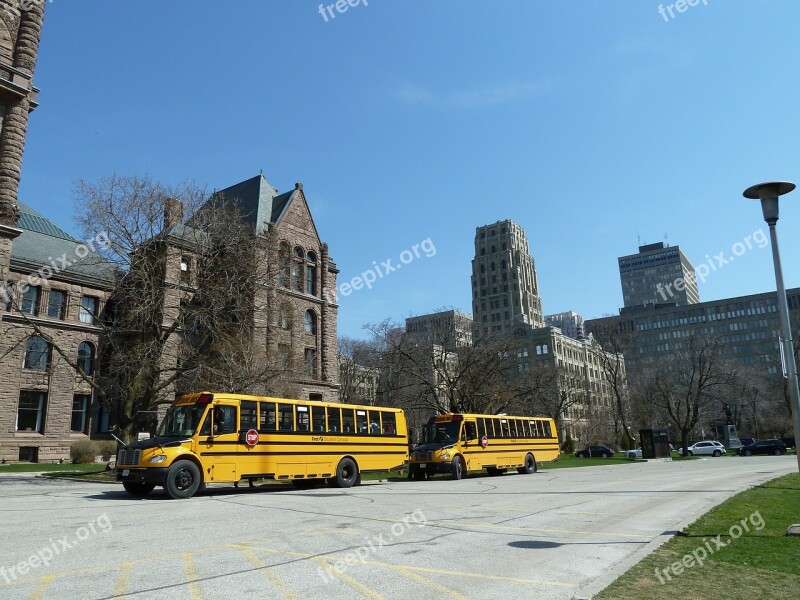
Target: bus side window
(285, 417)
(512, 424)
(348, 420)
(224, 419)
(481, 427)
(506, 430)
(303, 418)
(361, 421)
(268, 420)
(374, 422)
(470, 431)
(547, 432)
(334, 420)
(247, 417)
(318, 418)
(389, 424)
(538, 427)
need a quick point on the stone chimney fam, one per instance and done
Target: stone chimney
(173, 212)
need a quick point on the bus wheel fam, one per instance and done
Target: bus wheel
(138, 489)
(183, 479)
(346, 474)
(530, 465)
(457, 468)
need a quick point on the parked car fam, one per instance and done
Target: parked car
(595, 452)
(774, 447)
(706, 449)
(637, 453)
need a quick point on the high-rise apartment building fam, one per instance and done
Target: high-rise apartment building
(570, 323)
(658, 274)
(450, 328)
(505, 288)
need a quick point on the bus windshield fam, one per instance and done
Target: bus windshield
(441, 433)
(181, 420)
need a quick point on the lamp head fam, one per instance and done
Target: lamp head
(769, 193)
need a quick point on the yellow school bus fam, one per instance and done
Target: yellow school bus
(457, 443)
(226, 438)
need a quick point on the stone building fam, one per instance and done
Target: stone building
(53, 290)
(20, 32)
(299, 323)
(580, 374)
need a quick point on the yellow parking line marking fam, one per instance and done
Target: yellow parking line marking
(123, 579)
(191, 576)
(267, 572)
(431, 584)
(357, 585)
(333, 558)
(44, 583)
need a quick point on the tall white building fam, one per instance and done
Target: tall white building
(570, 323)
(505, 289)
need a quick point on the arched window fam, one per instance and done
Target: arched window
(86, 358)
(37, 354)
(311, 274)
(298, 281)
(311, 322)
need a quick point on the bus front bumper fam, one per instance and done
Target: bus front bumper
(157, 475)
(431, 467)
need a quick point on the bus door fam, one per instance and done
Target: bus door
(470, 441)
(222, 445)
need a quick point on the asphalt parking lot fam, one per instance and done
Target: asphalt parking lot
(556, 534)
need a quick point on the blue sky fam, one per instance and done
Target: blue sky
(592, 124)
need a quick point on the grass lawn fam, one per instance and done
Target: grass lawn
(762, 563)
(49, 468)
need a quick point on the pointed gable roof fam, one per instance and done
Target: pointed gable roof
(260, 203)
(253, 198)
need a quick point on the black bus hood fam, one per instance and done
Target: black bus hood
(433, 446)
(164, 442)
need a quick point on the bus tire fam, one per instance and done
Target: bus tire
(457, 467)
(347, 474)
(530, 465)
(138, 488)
(183, 480)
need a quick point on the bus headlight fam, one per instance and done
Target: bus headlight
(445, 456)
(157, 459)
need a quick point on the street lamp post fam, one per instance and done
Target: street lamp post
(768, 194)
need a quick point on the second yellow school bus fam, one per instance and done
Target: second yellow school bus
(457, 443)
(225, 438)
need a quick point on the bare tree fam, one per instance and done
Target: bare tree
(545, 391)
(187, 302)
(440, 372)
(690, 385)
(359, 362)
(610, 343)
